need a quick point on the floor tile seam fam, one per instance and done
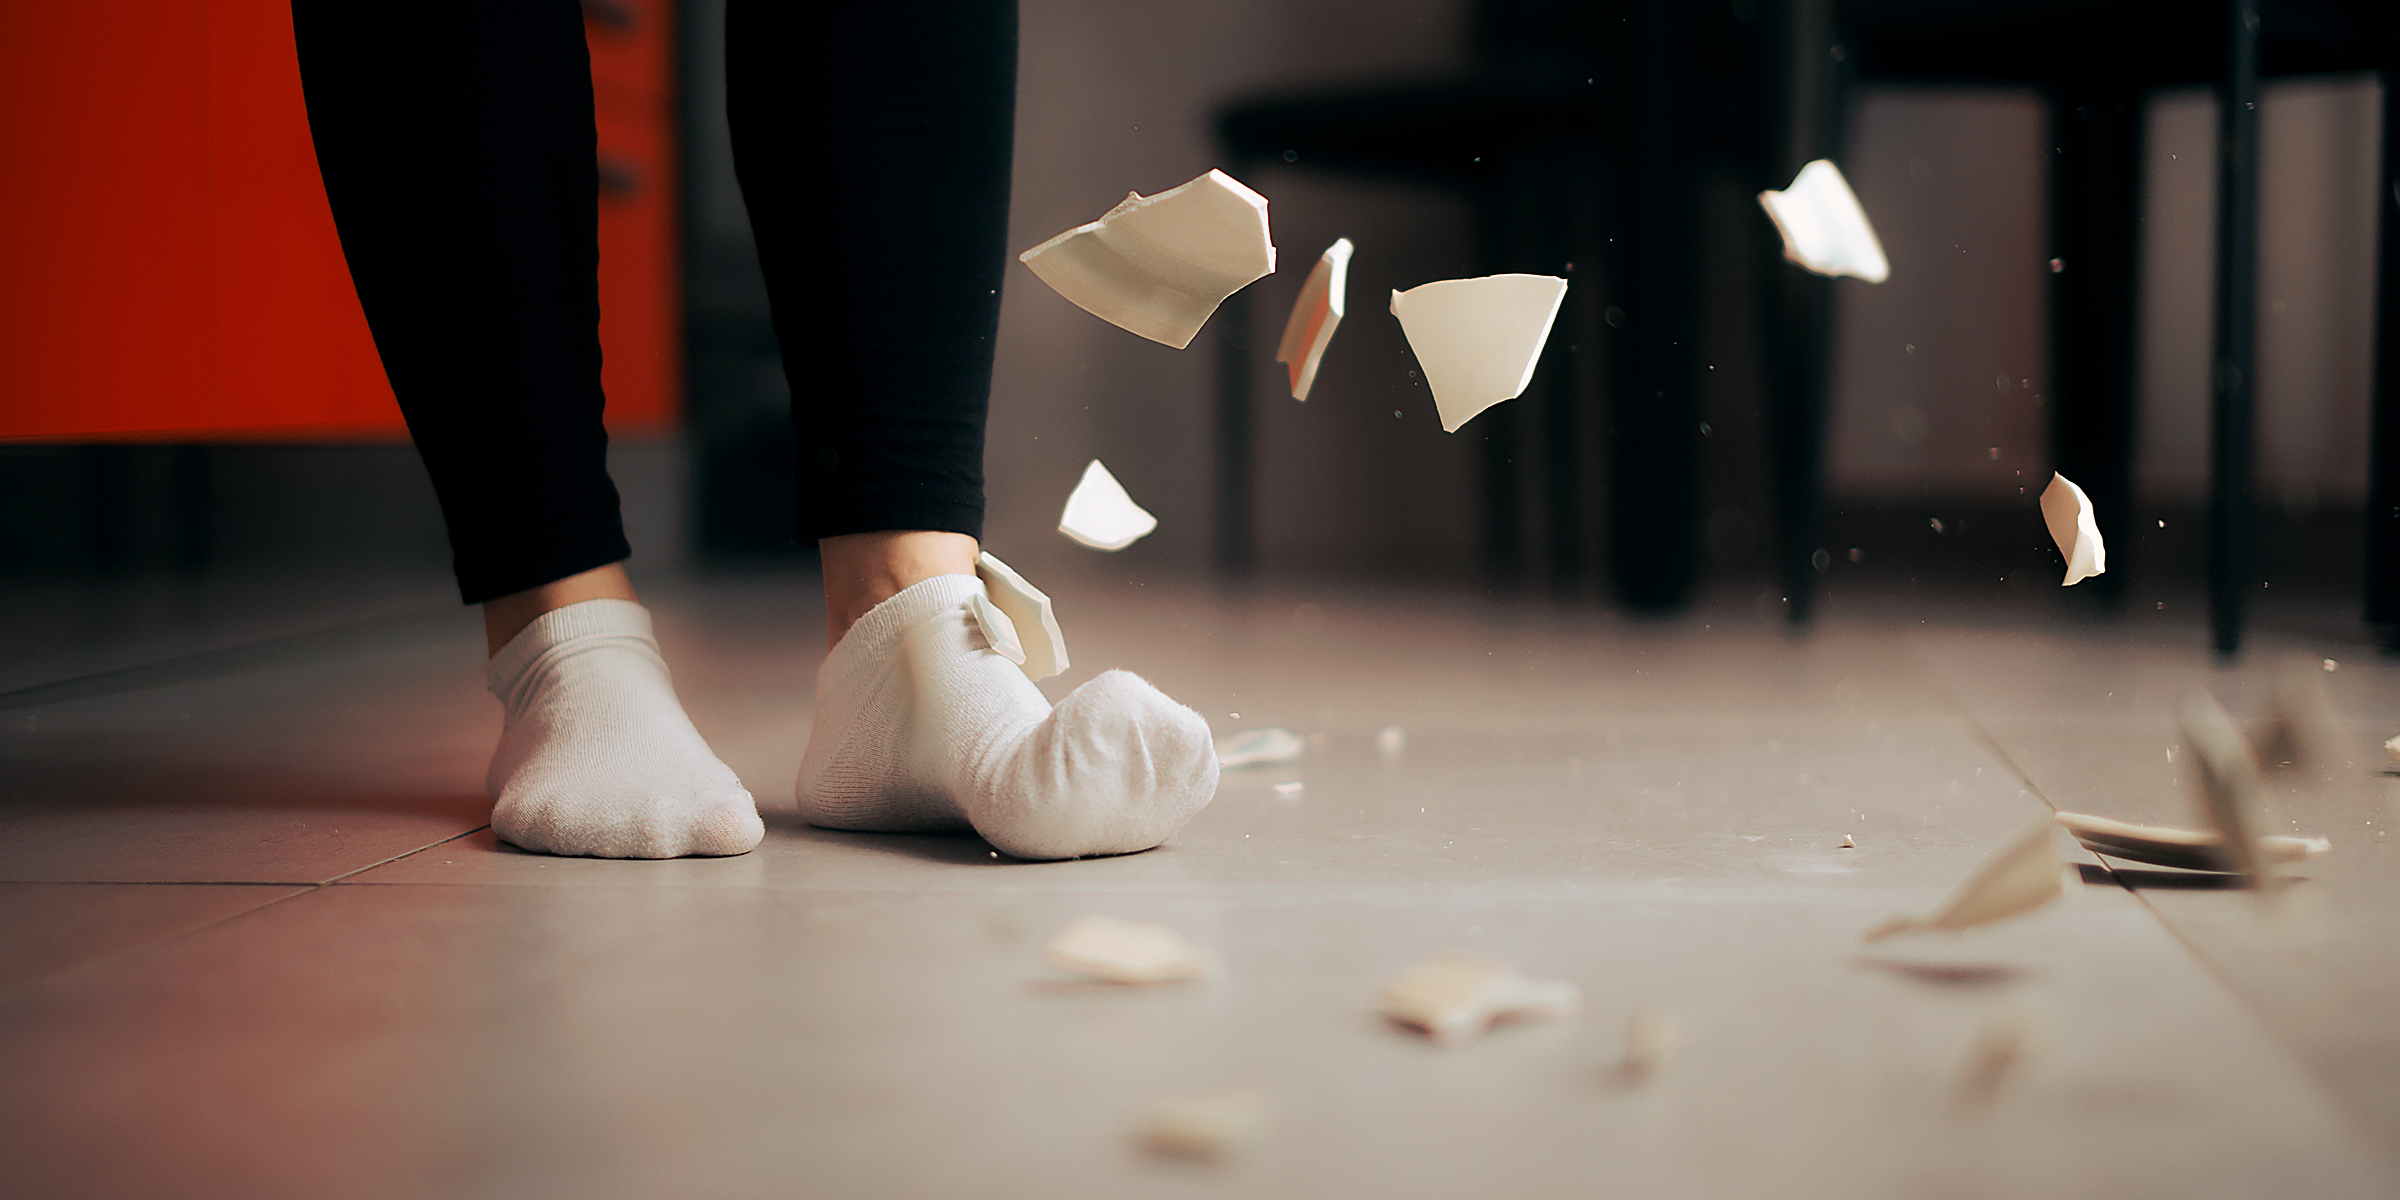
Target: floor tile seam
(283, 883)
(297, 891)
(1879, 896)
(284, 650)
(338, 879)
(2377, 1143)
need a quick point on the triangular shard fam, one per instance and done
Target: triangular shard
(2020, 878)
(1453, 1000)
(2225, 776)
(1478, 340)
(2189, 849)
(1120, 951)
(1160, 265)
(1029, 612)
(2068, 513)
(1205, 1125)
(1314, 316)
(1259, 747)
(1099, 514)
(1824, 229)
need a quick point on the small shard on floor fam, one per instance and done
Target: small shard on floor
(1649, 1038)
(2001, 1045)
(1120, 951)
(1208, 1125)
(1478, 339)
(1160, 265)
(1260, 747)
(1453, 1000)
(2189, 849)
(2022, 877)
(2302, 730)
(1392, 741)
(1823, 226)
(2391, 750)
(1099, 514)
(2068, 513)
(1290, 789)
(1847, 844)
(2225, 776)
(1028, 611)
(1315, 314)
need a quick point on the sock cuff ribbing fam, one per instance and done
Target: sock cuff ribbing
(868, 643)
(558, 628)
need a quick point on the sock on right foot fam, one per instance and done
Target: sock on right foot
(921, 725)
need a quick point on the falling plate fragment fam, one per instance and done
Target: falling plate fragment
(1314, 316)
(2302, 730)
(1099, 514)
(2190, 849)
(1160, 265)
(2391, 750)
(2226, 778)
(1823, 227)
(1041, 647)
(1453, 1000)
(1478, 339)
(1204, 1125)
(2068, 513)
(2019, 879)
(1255, 747)
(1118, 951)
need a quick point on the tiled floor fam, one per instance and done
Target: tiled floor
(255, 942)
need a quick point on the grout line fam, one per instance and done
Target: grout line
(299, 890)
(293, 649)
(403, 854)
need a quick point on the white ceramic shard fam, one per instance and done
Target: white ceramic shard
(1824, 229)
(1255, 747)
(2225, 780)
(2391, 750)
(1099, 514)
(1207, 1125)
(1478, 340)
(1314, 315)
(1117, 951)
(1160, 265)
(2068, 513)
(1453, 1000)
(2022, 877)
(2190, 849)
(1041, 647)
(2302, 730)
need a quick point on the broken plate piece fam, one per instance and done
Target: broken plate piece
(1099, 514)
(1478, 339)
(2302, 730)
(2225, 776)
(1314, 315)
(2068, 513)
(1117, 951)
(1041, 647)
(2190, 849)
(1824, 229)
(1160, 265)
(1252, 747)
(2391, 750)
(1453, 1000)
(1204, 1125)
(2023, 877)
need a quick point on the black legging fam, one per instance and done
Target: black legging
(872, 140)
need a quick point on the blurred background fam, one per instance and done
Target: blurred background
(188, 393)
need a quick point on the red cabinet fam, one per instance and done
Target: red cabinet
(168, 268)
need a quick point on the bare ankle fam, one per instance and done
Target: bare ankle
(507, 616)
(863, 570)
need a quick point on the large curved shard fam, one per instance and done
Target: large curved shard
(1478, 339)
(1160, 265)
(1823, 226)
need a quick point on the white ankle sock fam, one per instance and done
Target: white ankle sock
(596, 756)
(921, 725)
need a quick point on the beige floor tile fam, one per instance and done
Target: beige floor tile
(47, 928)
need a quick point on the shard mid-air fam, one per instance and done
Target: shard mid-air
(1314, 316)
(1478, 339)
(1824, 229)
(1160, 265)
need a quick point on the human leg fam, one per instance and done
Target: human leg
(873, 146)
(457, 147)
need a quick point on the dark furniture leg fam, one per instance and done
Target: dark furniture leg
(2383, 464)
(2096, 214)
(1236, 542)
(2236, 330)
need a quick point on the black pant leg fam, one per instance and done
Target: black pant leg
(457, 145)
(873, 142)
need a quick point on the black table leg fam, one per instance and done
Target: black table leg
(2096, 215)
(2233, 422)
(2383, 464)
